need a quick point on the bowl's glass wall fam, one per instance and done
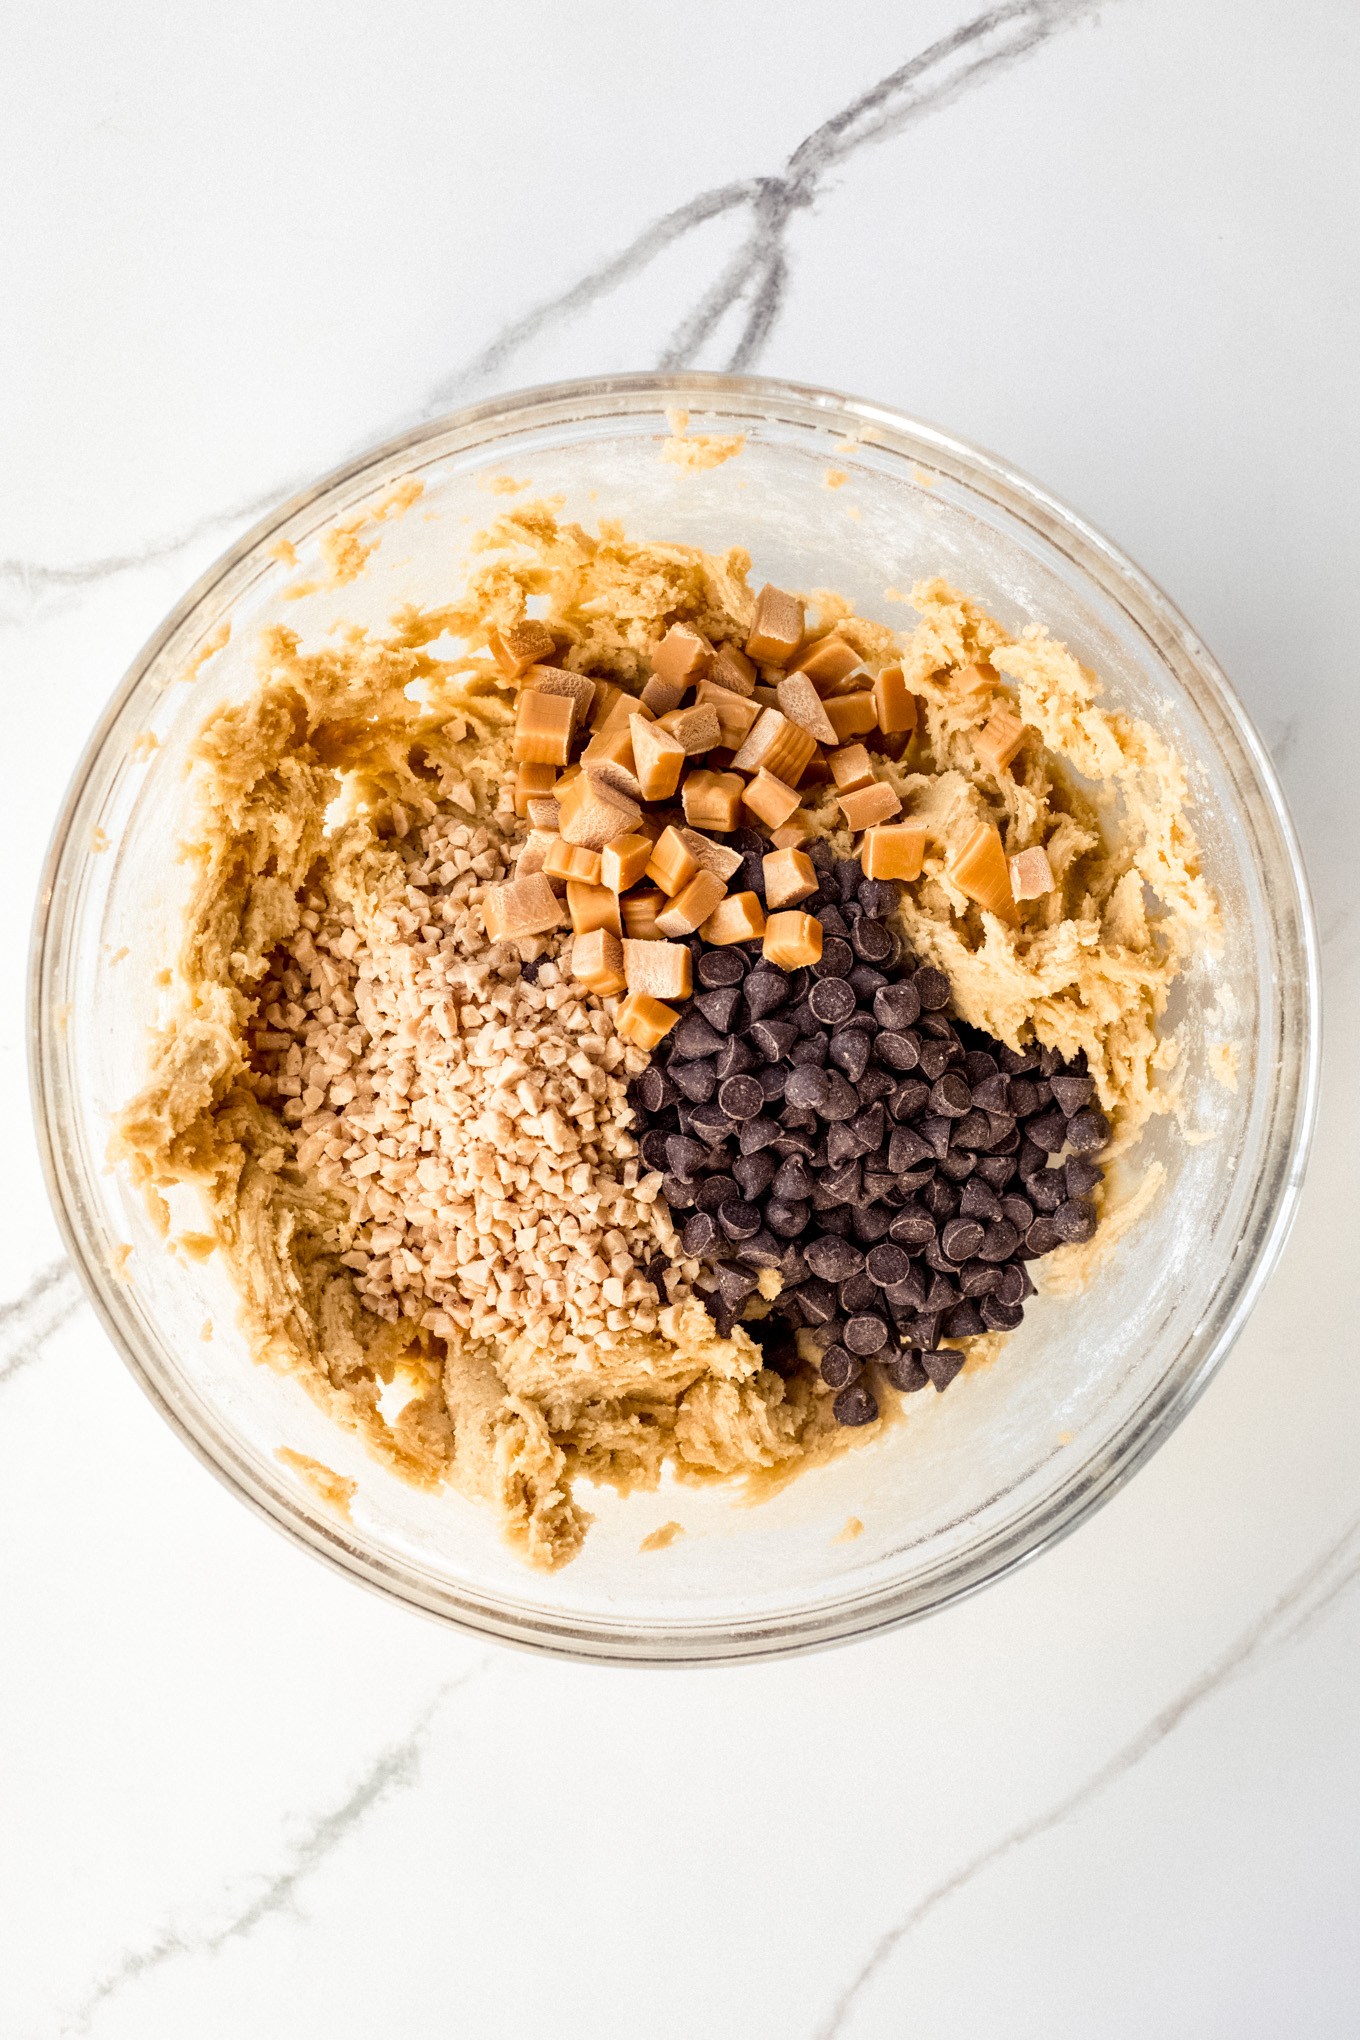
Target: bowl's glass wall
(965, 1484)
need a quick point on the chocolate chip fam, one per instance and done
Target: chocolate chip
(910, 1098)
(854, 1405)
(811, 1052)
(839, 1368)
(1043, 1236)
(816, 1301)
(1050, 1062)
(999, 1241)
(965, 1321)
(907, 1297)
(1014, 1285)
(741, 1097)
(978, 1278)
(877, 896)
(943, 1365)
(653, 1149)
(1016, 1061)
(678, 1192)
(836, 960)
(720, 967)
(933, 1059)
(734, 1058)
(905, 1372)
(951, 1095)
(857, 1293)
(996, 1170)
(772, 1038)
(833, 921)
(832, 1260)
(1088, 1130)
(978, 1201)
(832, 999)
(941, 1293)
(850, 1049)
(897, 1006)
(735, 1283)
(763, 991)
(961, 1238)
(696, 1081)
(720, 1007)
(700, 1235)
(787, 1216)
(932, 988)
(711, 1123)
(772, 1081)
(758, 1133)
(694, 1037)
(898, 1051)
(684, 1157)
(1074, 1221)
(871, 941)
(655, 1090)
(807, 1087)
(849, 873)
(793, 1181)
(912, 1227)
(1049, 1131)
(1024, 1096)
(1045, 1188)
(762, 1250)
(1072, 1092)
(1082, 1176)
(740, 1220)
(999, 1316)
(887, 1264)
(865, 1333)
(755, 1173)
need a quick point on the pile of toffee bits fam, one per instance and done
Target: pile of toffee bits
(898, 1168)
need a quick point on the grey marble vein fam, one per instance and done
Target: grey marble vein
(1298, 1610)
(27, 1322)
(395, 1769)
(756, 277)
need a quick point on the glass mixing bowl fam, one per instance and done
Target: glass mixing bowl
(969, 1484)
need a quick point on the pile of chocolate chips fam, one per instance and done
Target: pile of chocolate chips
(897, 1167)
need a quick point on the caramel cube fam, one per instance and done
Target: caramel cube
(710, 856)
(544, 812)
(779, 745)
(794, 831)
(534, 851)
(606, 708)
(520, 646)
(592, 813)
(790, 876)
(525, 906)
(851, 766)
(643, 1021)
(735, 713)
(738, 918)
(817, 772)
(623, 862)
(828, 661)
(894, 703)
(869, 804)
(980, 871)
(1031, 874)
(670, 865)
(694, 729)
(683, 655)
(896, 852)
(767, 697)
(639, 910)
(568, 860)
(544, 725)
(661, 970)
(532, 781)
(768, 799)
(802, 704)
(692, 905)
(712, 800)
(609, 755)
(792, 939)
(592, 906)
(661, 696)
(597, 960)
(776, 627)
(621, 711)
(733, 670)
(973, 676)
(658, 759)
(851, 715)
(553, 680)
(997, 742)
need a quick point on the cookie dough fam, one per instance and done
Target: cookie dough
(317, 788)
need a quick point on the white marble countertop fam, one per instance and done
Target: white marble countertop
(1115, 1795)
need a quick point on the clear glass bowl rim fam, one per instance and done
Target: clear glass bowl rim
(837, 1618)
